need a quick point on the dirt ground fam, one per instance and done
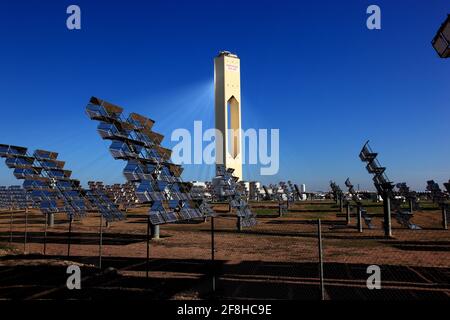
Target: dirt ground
(277, 259)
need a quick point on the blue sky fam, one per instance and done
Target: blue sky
(311, 69)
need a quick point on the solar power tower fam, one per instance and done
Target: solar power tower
(383, 185)
(148, 166)
(439, 198)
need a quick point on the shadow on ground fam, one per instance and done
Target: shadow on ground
(124, 278)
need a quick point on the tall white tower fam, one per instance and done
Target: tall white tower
(227, 89)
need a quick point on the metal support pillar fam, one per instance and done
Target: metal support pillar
(25, 233)
(50, 219)
(154, 231)
(347, 216)
(359, 218)
(213, 265)
(387, 225)
(69, 238)
(147, 266)
(239, 224)
(45, 234)
(11, 227)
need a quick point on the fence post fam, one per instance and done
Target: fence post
(100, 248)
(348, 213)
(148, 247)
(359, 218)
(213, 256)
(45, 234)
(26, 233)
(11, 227)
(387, 215)
(69, 240)
(319, 236)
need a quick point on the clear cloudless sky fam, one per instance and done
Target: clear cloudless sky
(310, 68)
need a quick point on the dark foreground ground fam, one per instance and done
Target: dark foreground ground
(278, 259)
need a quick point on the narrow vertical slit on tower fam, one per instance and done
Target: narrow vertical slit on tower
(233, 127)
